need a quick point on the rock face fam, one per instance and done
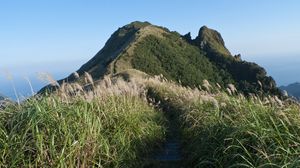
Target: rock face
(156, 50)
(211, 40)
(292, 90)
(249, 77)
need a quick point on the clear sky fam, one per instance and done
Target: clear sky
(60, 35)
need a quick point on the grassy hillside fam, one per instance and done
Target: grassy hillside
(220, 110)
(156, 50)
(121, 124)
(229, 130)
(111, 126)
(177, 60)
(248, 77)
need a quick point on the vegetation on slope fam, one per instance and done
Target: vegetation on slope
(156, 50)
(229, 130)
(116, 124)
(98, 66)
(176, 60)
(248, 77)
(111, 126)
(242, 133)
(209, 39)
(113, 123)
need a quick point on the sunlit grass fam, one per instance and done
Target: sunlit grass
(114, 123)
(243, 133)
(59, 130)
(229, 130)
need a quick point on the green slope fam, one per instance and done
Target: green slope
(177, 60)
(249, 77)
(156, 50)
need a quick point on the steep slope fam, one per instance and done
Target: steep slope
(155, 50)
(248, 77)
(211, 40)
(176, 59)
(120, 41)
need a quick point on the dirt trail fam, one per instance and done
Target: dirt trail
(170, 154)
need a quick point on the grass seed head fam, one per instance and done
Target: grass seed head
(88, 78)
(48, 78)
(206, 85)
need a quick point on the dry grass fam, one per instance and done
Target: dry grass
(111, 123)
(223, 129)
(107, 125)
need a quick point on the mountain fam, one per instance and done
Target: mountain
(292, 89)
(155, 50)
(211, 40)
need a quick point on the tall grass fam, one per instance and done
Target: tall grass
(226, 129)
(115, 127)
(112, 123)
(242, 133)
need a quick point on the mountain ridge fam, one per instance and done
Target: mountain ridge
(156, 50)
(122, 40)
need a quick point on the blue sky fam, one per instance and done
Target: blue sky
(60, 35)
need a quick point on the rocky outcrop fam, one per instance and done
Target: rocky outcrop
(211, 40)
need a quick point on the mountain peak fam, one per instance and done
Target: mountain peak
(137, 24)
(155, 50)
(203, 28)
(211, 40)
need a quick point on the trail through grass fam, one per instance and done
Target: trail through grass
(222, 130)
(133, 124)
(170, 153)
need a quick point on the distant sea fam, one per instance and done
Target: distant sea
(20, 87)
(284, 69)
(14, 79)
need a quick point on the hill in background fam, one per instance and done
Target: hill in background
(292, 89)
(155, 50)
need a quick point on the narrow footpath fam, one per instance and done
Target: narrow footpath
(170, 155)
